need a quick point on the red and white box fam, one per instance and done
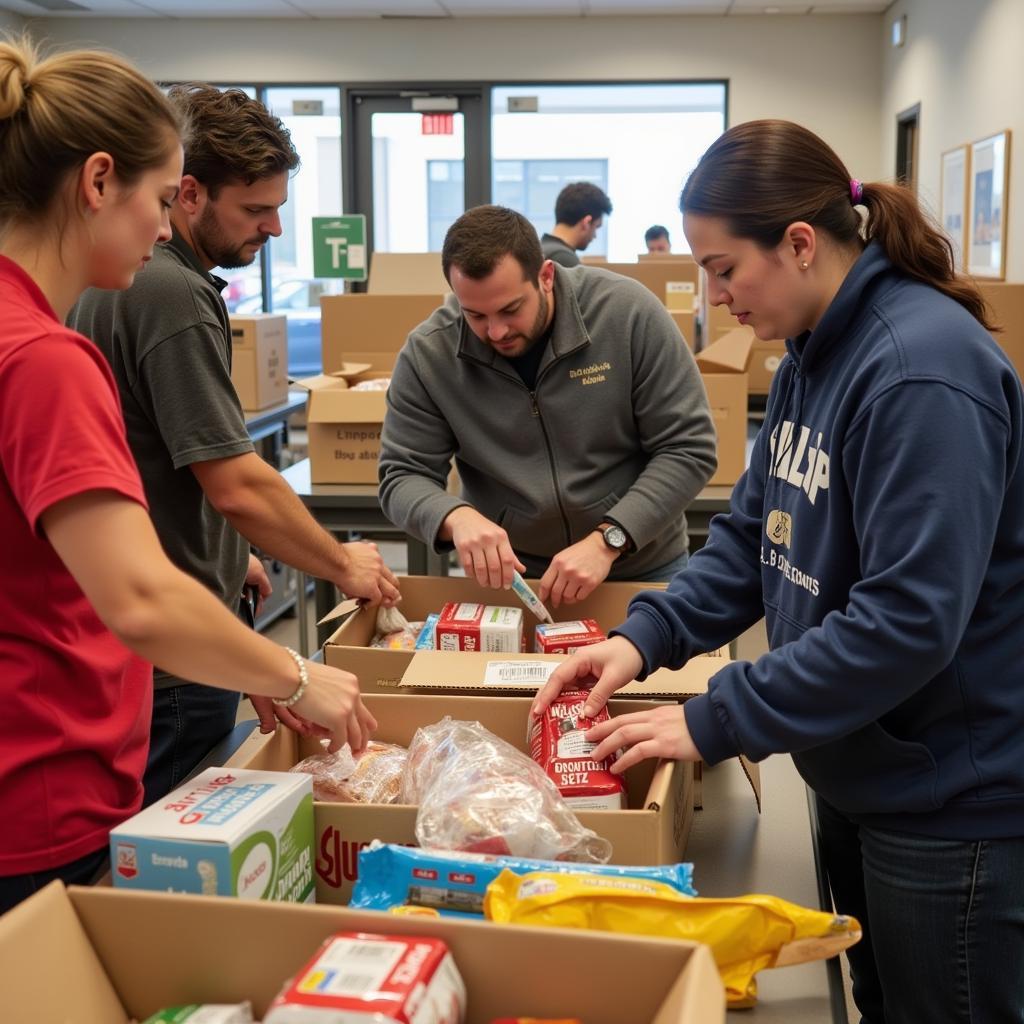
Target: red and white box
(559, 745)
(357, 976)
(566, 637)
(468, 626)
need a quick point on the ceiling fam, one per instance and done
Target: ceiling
(428, 8)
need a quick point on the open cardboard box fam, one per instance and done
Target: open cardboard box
(104, 956)
(372, 329)
(653, 830)
(672, 281)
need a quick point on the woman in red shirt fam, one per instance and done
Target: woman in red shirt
(92, 162)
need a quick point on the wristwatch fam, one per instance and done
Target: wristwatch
(614, 536)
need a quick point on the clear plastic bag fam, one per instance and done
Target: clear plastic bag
(479, 794)
(394, 631)
(372, 777)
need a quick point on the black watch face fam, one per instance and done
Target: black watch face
(615, 537)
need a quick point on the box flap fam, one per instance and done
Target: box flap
(49, 970)
(341, 404)
(321, 382)
(729, 354)
(343, 609)
(481, 672)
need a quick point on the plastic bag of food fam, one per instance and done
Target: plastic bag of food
(371, 777)
(374, 384)
(454, 884)
(394, 631)
(745, 933)
(205, 1013)
(479, 794)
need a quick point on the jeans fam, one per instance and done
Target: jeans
(188, 721)
(84, 871)
(943, 923)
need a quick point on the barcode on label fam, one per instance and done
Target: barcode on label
(356, 984)
(352, 967)
(502, 673)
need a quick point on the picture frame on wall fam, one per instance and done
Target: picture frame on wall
(986, 213)
(956, 165)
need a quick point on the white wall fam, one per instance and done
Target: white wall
(10, 23)
(823, 71)
(962, 63)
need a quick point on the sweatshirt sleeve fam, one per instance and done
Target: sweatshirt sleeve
(927, 467)
(416, 449)
(673, 423)
(718, 595)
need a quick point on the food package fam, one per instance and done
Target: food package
(479, 794)
(746, 933)
(395, 877)
(375, 384)
(566, 637)
(394, 632)
(207, 1013)
(373, 776)
(358, 976)
(559, 745)
(468, 626)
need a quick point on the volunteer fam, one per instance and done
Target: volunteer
(575, 413)
(580, 210)
(91, 168)
(880, 531)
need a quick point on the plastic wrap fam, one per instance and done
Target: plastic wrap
(372, 777)
(374, 384)
(477, 793)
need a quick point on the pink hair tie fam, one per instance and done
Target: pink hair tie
(856, 191)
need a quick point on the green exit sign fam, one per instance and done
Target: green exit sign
(339, 247)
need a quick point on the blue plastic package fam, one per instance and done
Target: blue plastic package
(454, 883)
(425, 640)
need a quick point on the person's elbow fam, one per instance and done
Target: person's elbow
(135, 612)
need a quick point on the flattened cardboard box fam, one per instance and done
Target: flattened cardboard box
(370, 329)
(381, 671)
(344, 426)
(259, 359)
(653, 830)
(103, 956)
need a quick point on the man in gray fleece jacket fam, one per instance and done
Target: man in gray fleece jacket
(574, 410)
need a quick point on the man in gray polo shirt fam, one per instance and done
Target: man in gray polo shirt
(580, 210)
(168, 340)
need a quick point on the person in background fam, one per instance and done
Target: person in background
(880, 531)
(580, 210)
(656, 237)
(91, 169)
(575, 413)
(168, 341)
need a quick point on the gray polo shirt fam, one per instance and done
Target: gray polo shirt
(168, 341)
(555, 249)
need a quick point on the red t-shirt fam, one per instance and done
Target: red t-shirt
(75, 703)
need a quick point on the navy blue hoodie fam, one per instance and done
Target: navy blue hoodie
(880, 531)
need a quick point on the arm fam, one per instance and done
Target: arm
(258, 502)
(110, 547)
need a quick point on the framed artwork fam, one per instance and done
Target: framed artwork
(986, 212)
(953, 213)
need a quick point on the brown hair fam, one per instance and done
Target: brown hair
(481, 237)
(581, 199)
(55, 112)
(232, 138)
(762, 176)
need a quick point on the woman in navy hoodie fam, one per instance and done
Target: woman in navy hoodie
(880, 531)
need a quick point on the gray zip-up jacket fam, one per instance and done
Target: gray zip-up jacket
(617, 427)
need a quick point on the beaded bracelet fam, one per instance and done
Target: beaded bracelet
(303, 681)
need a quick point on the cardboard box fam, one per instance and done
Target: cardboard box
(381, 671)
(227, 833)
(662, 277)
(653, 830)
(103, 956)
(370, 329)
(687, 324)
(724, 368)
(343, 426)
(1007, 304)
(714, 322)
(764, 360)
(406, 273)
(259, 359)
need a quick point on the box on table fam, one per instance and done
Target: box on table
(406, 273)
(226, 832)
(653, 830)
(106, 956)
(667, 279)
(724, 369)
(344, 425)
(381, 671)
(259, 359)
(371, 329)
(687, 324)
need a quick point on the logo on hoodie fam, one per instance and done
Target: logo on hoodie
(779, 527)
(796, 460)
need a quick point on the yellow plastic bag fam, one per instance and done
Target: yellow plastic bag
(746, 933)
